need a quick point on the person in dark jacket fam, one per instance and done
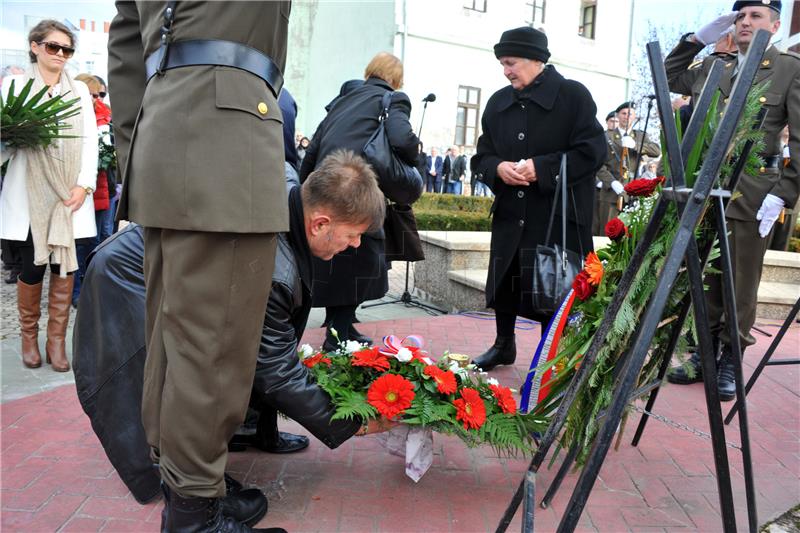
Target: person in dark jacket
(354, 276)
(527, 126)
(328, 213)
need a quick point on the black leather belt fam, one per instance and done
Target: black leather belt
(772, 161)
(218, 53)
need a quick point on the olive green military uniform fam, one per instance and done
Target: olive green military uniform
(201, 150)
(620, 165)
(782, 100)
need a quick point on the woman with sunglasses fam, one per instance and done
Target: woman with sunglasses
(43, 206)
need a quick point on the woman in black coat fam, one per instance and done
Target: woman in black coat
(356, 275)
(527, 126)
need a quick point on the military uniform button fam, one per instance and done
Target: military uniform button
(762, 169)
(765, 63)
(762, 99)
(725, 101)
(521, 136)
(521, 223)
(262, 108)
(520, 194)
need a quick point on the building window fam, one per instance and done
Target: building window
(475, 5)
(537, 12)
(469, 101)
(588, 17)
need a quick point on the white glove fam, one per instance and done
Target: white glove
(618, 187)
(599, 185)
(711, 32)
(768, 213)
(628, 142)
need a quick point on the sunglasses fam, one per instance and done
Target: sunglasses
(53, 48)
(101, 94)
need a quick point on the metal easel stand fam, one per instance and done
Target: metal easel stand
(765, 361)
(684, 246)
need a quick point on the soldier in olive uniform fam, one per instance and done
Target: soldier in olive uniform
(199, 138)
(620, 166)
(752, 213)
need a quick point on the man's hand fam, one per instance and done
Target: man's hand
(628, 142)
(711, 32)
(510, 176)
(377, 425)
(76, 197)
(768, 213)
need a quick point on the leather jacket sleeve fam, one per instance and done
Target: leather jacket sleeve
(284, 383)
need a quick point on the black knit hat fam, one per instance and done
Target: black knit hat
(772, 4)
(523, 42)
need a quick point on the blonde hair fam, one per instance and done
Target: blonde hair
(386, 67)
(92, 82)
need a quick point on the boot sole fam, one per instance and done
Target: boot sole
(684, 381)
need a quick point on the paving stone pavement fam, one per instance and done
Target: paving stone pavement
(54, 475)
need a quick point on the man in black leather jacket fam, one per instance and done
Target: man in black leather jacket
(327, 214)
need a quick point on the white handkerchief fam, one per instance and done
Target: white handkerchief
(416, 443)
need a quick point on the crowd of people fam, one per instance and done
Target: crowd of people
(292, 222)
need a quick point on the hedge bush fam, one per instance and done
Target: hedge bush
(450, 212)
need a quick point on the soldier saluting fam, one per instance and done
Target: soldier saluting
(751, 213)
(624, 143)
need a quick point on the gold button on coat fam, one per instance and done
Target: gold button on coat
(762, 99)
(762, 169)
(262, 108)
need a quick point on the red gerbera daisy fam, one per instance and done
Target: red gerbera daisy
(504, 399)
(390, 394)
(445, 380)
(470, 409)
(314, 360)
(370, 357)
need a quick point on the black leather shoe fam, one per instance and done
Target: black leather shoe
(726, 380)
(679, 376)
(200, 515)
(358, 337)
(12, 276)
(285, 443)
(246, 506)
(503, 352)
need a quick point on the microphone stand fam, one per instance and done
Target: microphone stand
(644, 136)
(406, 298)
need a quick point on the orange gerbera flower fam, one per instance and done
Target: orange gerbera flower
(594, 268)
(445, 380)
(314, 360)
(504, 399)
(390, 394)
(470, 409)
(370, 357)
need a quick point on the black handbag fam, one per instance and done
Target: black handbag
(400, 182)
(402, 238)
(555, 267)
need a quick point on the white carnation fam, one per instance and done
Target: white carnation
(404, 355)
(492, 381)
(306, 351)
(352, 346)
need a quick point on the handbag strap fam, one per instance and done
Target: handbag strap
(561, 191)
(386, 102)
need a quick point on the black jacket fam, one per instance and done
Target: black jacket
(358, 274)
(550, 117)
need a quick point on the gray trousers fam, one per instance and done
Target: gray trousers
(205, 303)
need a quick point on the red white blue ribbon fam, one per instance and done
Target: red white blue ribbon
(392, 344)
(537, 383)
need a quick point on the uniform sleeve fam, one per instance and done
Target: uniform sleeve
(605, 176)
(398, 127)
(282, 382)
(89, 148)
(680, 77)
(649, 148)
(586, 147)
(788, 186)
(126, 76)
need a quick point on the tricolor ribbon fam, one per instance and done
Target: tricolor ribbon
(392, 344)
(537, 383)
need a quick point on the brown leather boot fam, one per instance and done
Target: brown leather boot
(29, 304)
(58, 303)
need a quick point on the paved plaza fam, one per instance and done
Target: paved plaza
(55, 476)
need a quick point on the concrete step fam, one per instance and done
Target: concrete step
(783, 267)
(775, 299)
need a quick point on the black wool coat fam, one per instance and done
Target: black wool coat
(546, 119)
(358, 274)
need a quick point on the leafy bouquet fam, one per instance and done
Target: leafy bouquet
(35, 121)
(107, 155)
(595, 286)
(401, 382)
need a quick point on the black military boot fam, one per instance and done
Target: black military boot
(726, 377)
(680, 376)
(503, 352)
(247, 506)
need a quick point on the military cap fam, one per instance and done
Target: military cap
(625, 105)
(772, 4)
(611, 115)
